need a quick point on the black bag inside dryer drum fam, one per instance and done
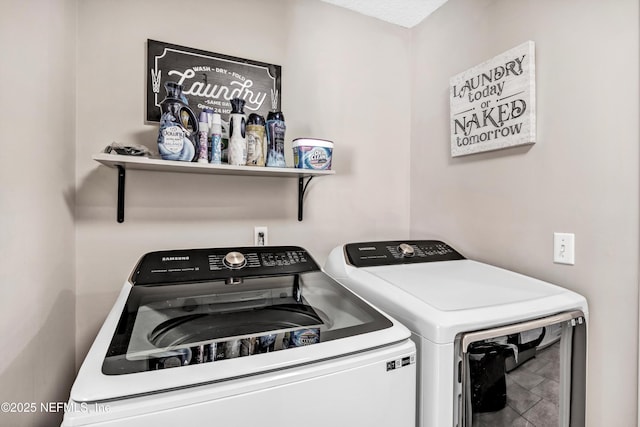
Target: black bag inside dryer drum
(487, 374)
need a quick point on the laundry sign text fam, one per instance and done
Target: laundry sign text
(493, 104)
(210, 80)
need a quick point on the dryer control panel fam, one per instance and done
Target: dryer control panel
(371, 254)
(199, 265)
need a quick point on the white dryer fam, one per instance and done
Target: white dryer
(495, 348)
(243, 337)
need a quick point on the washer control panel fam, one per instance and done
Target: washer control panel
(198, 265)
(371, 254)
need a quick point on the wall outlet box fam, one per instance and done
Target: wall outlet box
(260, 236)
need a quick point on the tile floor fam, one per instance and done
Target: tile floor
(532, 394)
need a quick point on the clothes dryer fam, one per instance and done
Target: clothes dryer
(495, 347)
(243, 337)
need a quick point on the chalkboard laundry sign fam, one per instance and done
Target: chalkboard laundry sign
(210, 80)
(493, 104)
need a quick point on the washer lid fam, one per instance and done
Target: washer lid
(463, 284)
(194, 323)
(162, 337)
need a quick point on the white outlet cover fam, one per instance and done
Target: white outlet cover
(564, 248)
(260, 236)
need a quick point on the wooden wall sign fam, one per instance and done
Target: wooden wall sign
(210, 80)
(493, 104)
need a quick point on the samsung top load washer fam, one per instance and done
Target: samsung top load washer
(242, 337)
(495, 348)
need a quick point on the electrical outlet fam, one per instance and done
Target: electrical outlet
(564, 248)
(260, 236)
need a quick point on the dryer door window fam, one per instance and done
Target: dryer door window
(529, 374)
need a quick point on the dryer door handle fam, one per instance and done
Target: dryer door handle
(570, 316)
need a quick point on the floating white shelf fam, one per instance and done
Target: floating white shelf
(145, 163)
(122, 163)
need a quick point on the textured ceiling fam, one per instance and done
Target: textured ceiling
(406, 13)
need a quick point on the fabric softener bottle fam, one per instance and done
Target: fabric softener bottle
(275, 139)
(175, 141)
(256, 140)
(237, 134)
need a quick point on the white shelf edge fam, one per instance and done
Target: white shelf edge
(145, 163)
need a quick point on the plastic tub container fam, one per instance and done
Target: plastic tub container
(312, 153)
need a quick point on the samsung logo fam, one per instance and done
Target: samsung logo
(175, 258)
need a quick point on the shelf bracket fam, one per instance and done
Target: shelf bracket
(121, 176)
(121, 163)
(302, 188)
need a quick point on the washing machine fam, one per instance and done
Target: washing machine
(242, 337)
(495, 347)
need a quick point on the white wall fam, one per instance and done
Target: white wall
(345, 77)
(37, 301)
(580, 177)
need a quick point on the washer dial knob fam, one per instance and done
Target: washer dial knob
(406, 250)
(234, 260)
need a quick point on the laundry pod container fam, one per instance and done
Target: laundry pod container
(312, 153)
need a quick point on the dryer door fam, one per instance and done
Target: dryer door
(531, 373)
